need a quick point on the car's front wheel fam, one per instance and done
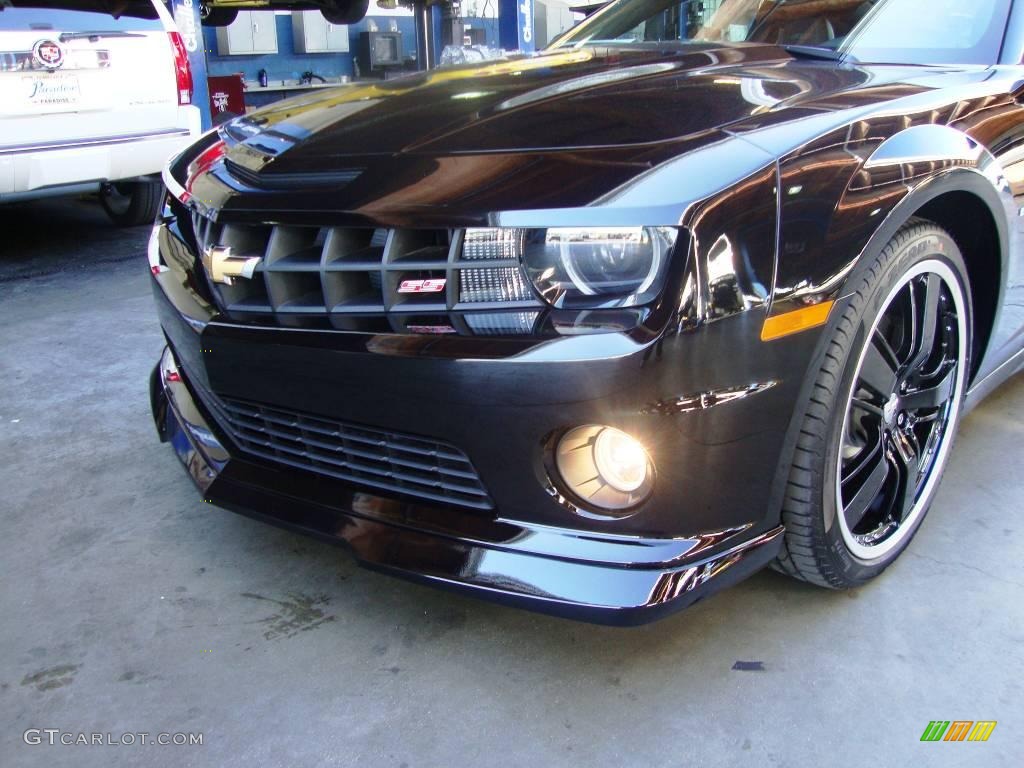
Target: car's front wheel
(883, 413)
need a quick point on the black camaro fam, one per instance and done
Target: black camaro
(703, 287)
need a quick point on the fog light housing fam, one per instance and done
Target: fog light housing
(604, 467)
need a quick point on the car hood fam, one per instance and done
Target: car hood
(556, 129)
(583, 98)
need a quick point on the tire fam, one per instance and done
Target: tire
(131, 203)
(345, 11)
(866, 467)
(217, 17)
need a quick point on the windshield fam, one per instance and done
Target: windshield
(892, 31)
(84, 15)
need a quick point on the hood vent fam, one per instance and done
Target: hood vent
(266, 180)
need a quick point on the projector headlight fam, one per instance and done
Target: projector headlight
(598, 266)
(584, 267)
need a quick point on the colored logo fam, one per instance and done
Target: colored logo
(435, 285)
(48, 54)
(223, 267)
(958, 730)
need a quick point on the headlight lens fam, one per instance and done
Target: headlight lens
(598, 266)
(582, 267)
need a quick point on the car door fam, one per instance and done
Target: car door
(998, 123)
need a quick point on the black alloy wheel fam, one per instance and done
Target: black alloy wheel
(899, 412)
(883, 414)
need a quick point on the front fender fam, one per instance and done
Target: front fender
(884, 183)
(825, 241)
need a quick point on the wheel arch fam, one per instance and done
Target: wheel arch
(971, 224)
(936, 198)
(972, 208)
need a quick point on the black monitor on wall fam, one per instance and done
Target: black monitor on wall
(380, 50)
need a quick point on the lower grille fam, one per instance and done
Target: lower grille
(389, 461)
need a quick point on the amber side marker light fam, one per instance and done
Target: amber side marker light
(798, 320)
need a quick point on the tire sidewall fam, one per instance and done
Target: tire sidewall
(931, 245)
(144, 203)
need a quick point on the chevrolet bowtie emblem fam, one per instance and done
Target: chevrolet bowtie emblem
(222, 267)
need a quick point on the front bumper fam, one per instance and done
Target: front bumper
(33, 169)
(622, 580)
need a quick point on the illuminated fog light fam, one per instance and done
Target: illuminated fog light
(604, 467)
(620, 459)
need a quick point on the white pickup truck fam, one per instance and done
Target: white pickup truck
(95, 96)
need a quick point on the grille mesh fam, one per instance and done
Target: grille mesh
(482, 243)
(336, 273)
(502, 284)
(502, 323)
(389, 461)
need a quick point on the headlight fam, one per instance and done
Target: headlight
(598, 266)
(585, 267)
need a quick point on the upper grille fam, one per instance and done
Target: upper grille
(390, 461)
(340, 273)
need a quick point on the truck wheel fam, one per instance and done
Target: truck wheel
(345, 11)
(217, 17)
(131, 203)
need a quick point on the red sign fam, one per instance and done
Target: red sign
(227, 97)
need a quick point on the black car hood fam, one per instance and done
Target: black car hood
(562, 100)
(584, 98)
(559, 129)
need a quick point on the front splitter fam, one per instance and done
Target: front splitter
(622, 593)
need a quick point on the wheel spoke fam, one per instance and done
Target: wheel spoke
(931, 397)
(926, 323)
(907, 466)
(878, 371)
(857, 509)
(871, 408)
(867, 458)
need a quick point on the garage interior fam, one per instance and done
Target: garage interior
(264, 56)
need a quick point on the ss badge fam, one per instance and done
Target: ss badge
(435, 285)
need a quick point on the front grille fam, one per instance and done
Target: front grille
(337, 274)
(390, 461)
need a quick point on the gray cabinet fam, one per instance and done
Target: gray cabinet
(312, 33)
(252, 32)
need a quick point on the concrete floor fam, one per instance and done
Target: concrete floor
(126, 604)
